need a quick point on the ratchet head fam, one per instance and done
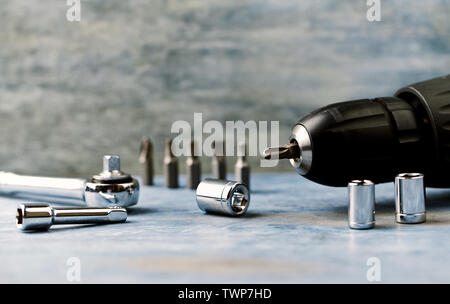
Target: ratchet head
(111, 187)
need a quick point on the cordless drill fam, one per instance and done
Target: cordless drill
(376, 138)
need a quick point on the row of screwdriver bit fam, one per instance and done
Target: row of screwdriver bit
(193, 165)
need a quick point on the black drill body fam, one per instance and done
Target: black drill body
(379, 138)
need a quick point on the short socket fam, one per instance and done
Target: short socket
(223, 197)
(410, 198)
(361, 210)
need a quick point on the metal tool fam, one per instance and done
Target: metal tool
(242, 168)
(218, 163)
(146, 161)
(223, 197)
(410, 198)
(170, 166)
(376, 138)
(109, 188)
(361, 210)
(42, 216)
(193, 168)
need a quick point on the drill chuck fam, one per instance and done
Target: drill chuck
(376, 138)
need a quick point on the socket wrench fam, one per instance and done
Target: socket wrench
(109, 188)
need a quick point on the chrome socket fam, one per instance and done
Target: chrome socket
(410, 198)
(361, 210)
(223, 197)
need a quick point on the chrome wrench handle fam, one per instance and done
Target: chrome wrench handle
(20, 185)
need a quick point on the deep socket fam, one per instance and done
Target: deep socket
(43, 216)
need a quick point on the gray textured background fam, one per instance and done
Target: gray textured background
(70, 92)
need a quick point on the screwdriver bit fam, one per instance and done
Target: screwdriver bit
(146, 160)
(170, 166)
(193, 168)
(284, 152)
(218, 163)
(242, 168)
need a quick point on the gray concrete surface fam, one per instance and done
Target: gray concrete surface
(295, 232)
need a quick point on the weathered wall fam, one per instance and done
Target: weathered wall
(70, 92)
